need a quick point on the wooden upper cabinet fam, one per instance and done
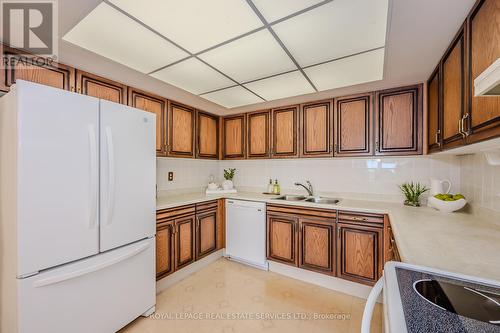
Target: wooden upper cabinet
(154, 104)
(26, 67)
(233, 146)
(181, 127)
(453, 88)
(484, 30)
(353, 117)
(282, 238)
(284, 130)
(434, 115)
(206, 233)
(398, 121)
(207, 135)
(316, 129)
(164, 249)
(360, 253)
(258, 134)
(316, 244)
(184, 241)
(96, 86)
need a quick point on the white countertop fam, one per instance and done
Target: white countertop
(457, 242)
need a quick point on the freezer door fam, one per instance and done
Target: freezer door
(128, 175)
(100, 294)
(58, 181)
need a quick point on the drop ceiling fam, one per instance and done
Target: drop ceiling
(241, 52)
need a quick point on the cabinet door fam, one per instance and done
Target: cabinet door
(434, 115)
(234, 137)
(184, 241)
(353, 125)
(282, 239)
(284, 131)
(453, 88)
(207, 134)
(484, 49)
(316, 249)
(206, 233)
(359, 253)
(164, 249)
(156, 105)
(35, 69)
(181, 123)
(398, 121)
(93, 85)
(316, 130)
(221, 224)
(258, 134)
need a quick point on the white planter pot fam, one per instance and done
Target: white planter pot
(227, 184)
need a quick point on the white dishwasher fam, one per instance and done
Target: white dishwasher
(246, 232)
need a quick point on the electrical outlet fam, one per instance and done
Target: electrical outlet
(170, 176)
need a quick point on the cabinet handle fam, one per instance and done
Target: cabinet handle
(460, 127)
(377, 146)
(438, 132)
(338, 232)
(358, 218)
(336, 148)
(466, 132)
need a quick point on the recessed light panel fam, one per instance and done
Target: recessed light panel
(232, 97)
(365, 67)
(194, 76)
(276, 9)
(194, 24)
(252, 57)
(334, 30)
(281, 86)
(131, 45)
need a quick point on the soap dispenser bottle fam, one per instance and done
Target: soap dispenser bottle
(270, 187)
(276, 189)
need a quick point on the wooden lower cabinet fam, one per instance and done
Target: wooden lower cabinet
(184, 241)
(282, 238)
(164, 249)
(316, 240)
(206, 228)
(359, 252)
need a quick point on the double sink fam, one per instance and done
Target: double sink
(318, 200)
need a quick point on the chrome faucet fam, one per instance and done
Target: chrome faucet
(308, 188)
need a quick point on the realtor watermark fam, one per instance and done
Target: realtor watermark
(249, 316)
(29, 27)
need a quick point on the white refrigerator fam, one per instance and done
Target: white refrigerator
(77, 203)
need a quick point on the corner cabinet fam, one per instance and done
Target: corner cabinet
(284, 132)
(234, 134)
(316, 132)
(99, 87)
(434, 112)
(353, 116)
(154, 104)
(207, 135)
(398, 121)
(258, 134)
(181, 131)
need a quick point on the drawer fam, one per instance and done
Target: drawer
(170, 213)
(361, 218)
(296, 210)
(202, 206)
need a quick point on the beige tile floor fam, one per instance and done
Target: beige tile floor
(228, 289)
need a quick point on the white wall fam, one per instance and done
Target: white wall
(189, 174)
(480, 182)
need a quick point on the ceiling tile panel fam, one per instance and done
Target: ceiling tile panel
(232, 97)
(130, 45)
(281, 86)
(335, 30)
(252, 57)
(194, 24)
(365, 67)
(194, 76)
(276, 9)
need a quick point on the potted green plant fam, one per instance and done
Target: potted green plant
(227, 184)
(412, 192)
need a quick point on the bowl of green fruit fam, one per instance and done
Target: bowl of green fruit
(447, 202)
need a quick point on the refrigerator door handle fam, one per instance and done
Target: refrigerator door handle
(93, 176)
(72, 275)
(111, 175)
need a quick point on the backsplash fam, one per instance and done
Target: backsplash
(189, 174)
(370, 178)
(480, 182)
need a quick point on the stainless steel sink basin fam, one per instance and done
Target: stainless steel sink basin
(320, 200)
(292, 198)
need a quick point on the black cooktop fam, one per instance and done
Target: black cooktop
(433, 303)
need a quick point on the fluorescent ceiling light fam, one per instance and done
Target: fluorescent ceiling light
(365, 67)
(276, 9)
(232, 97)
(194, 24)
(128, 42)
(194, 76)
(285, 85)
(334, 30)
(252, 57)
